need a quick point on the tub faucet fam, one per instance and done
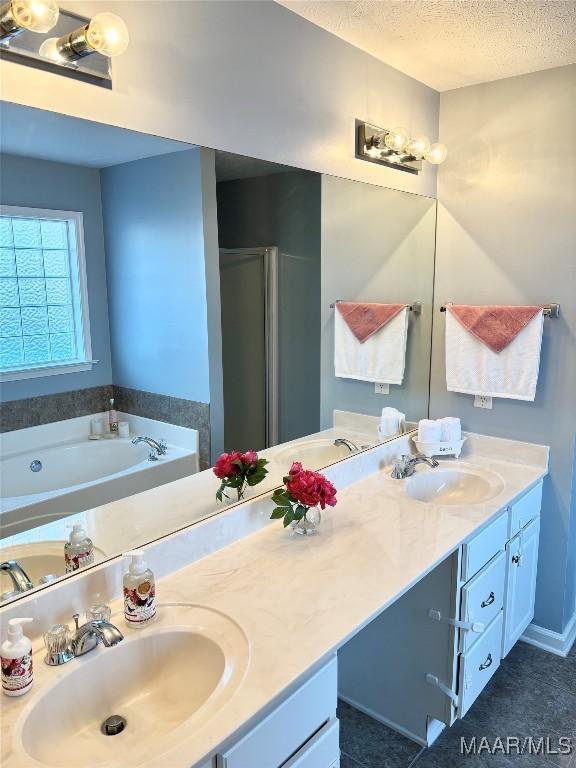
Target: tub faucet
(157, 448)
(405, 465)
(20, 578)
(348, 443)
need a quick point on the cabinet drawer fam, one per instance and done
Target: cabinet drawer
(289, 726)
(525, 509)
(322, 751)
(484, 546)
(478, 665)
(483, 598)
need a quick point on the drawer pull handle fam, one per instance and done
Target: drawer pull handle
(487, 663)
(489, 600)
(516, 559)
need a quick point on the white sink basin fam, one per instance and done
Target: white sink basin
(454, 486)
(312, 453)
(37, 559)
(180, 670)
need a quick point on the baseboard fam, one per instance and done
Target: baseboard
(383, 720)
(559, 643)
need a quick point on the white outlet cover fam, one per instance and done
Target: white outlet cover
(382, 389)
(483, 401)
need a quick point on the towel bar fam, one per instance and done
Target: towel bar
(549, 310)
(415, 307)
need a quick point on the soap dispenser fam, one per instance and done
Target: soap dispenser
(78, 550)
(17, 673)
(139, 591)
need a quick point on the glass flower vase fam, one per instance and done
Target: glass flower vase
(308, 523)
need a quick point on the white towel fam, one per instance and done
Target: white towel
(474, 369)
(381, 358)
(451, 429)
(429, 431)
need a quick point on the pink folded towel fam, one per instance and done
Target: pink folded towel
(365, 319)
(494, 326)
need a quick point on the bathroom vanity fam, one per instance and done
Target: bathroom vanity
(403, 605)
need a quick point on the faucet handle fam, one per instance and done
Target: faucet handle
(163, 445)
(99, 612)
(76, 617)
(58, 641)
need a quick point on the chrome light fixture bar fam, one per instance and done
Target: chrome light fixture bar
(77, 46)
(396, 148)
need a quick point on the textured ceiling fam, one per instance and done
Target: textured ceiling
(452, 43)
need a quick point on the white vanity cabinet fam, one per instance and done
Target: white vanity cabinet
(426, 659)
(300, 732)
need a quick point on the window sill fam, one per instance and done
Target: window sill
(47, 370)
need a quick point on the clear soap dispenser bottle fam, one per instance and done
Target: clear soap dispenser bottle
(16, 653)
(139, 591)
(78, 550)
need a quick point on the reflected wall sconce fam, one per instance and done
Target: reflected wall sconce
(77, 46)
(396, 148)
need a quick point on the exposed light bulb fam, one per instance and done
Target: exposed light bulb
(107, 34)
(49, 50)
(397, 139)
(35, 15)
(418, 147)
(436, 154)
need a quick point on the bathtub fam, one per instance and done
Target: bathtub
(78, 474)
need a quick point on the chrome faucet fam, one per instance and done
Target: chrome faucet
(348, 443)
(63, 646)
(158, 448)
(20, 578)
(405, 465)
(91, 634)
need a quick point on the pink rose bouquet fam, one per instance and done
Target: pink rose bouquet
(303, 489)
(237, 470)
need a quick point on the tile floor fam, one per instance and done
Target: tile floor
(532, 694)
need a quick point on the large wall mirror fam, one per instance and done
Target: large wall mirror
(217, 300)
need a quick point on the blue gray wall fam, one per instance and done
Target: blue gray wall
(156, 275)
(59, 186)
(377, 245)
(507, 234)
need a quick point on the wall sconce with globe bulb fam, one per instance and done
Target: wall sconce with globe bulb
(78, 46)
(396, 147)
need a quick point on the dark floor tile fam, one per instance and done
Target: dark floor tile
(372, 744)
(348, 762)
(454, 749)
(525, 659)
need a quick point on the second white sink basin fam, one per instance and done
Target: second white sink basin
(180, 670)
(313, 454)
(454, 486)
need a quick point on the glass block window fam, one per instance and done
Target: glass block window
(43, 299)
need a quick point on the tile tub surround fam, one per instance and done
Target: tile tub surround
(173, 410)
(34, 411)
(357, 564)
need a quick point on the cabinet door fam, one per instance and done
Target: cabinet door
(522, 562)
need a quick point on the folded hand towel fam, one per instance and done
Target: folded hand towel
(364, 318)
(379, 358)
(473, 368)
(493, 325)
(391, 422)
(451, 429)
(429, 431)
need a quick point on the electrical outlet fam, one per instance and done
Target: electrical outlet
(483, 401)
(382, 389)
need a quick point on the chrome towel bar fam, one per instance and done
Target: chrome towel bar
(549, 310)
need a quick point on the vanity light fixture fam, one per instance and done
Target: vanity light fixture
(396, 147)
(79, 46)
(106, 34)
(38, 16)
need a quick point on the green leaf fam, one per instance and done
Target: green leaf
(277, 513)
(288, 518)
(281, 498)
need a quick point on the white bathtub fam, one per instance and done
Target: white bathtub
(78, 474)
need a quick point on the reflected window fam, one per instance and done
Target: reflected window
(43, 300)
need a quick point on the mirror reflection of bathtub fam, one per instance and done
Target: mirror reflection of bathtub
(76, 474)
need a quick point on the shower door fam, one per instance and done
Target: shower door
(249, 299)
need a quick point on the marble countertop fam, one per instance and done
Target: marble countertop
(298, 599)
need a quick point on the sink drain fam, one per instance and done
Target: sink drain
(113, 725)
